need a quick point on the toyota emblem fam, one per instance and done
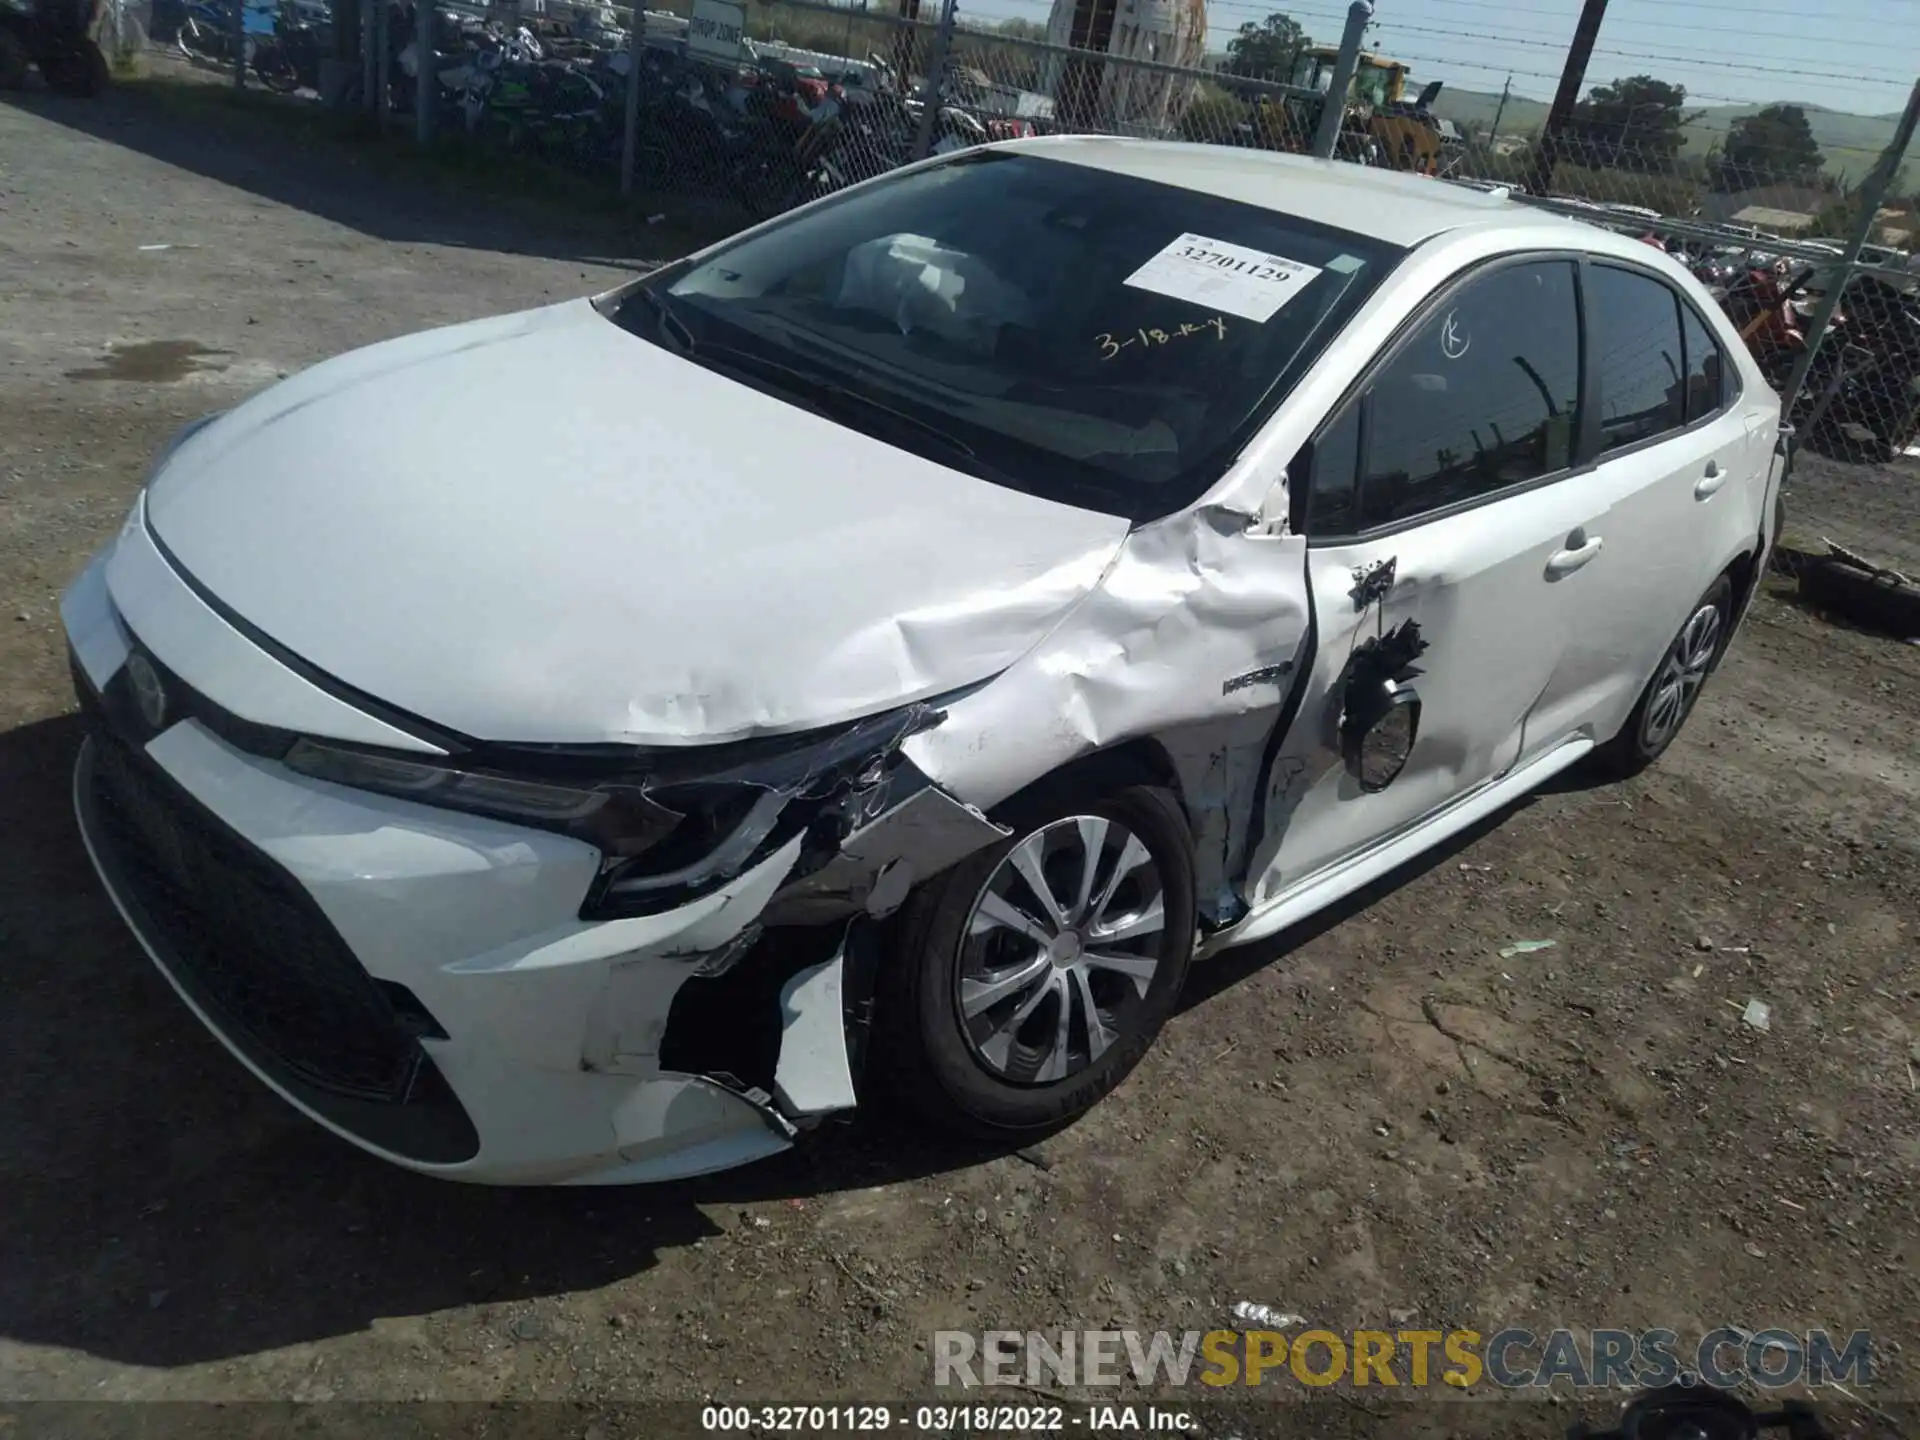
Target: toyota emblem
(148, 693)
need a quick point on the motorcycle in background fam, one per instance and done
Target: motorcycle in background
(206, 33)
(1867, 406)
(289, 58)
(874, 138)
(556, 108)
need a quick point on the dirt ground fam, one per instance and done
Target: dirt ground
(1375, 1120)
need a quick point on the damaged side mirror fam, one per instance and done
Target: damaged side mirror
(1380, 710)
(1377, 738)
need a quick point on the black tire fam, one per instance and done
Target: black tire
(922, 1049)
(1876, 602)
(82, 73)
(197, 46)
(1648, 733)
(14, 62)
(276, 73)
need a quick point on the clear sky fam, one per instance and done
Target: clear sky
(1857, 55)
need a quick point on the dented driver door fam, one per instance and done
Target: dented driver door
(1448, 541)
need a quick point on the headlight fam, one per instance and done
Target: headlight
(668, 826)
(176, 440)
(619, 819)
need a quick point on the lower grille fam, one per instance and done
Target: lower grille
(255, 947)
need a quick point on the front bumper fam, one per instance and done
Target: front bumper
(416, 980)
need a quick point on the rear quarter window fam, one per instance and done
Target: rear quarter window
(1638, 354)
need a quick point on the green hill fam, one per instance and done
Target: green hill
(1851, 143)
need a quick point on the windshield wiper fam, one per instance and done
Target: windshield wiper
(669, 322)
(829, 395)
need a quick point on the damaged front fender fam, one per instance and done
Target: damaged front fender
(1193, 643)
(775, 1012)
(878, 865)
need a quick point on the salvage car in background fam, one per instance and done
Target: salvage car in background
(921, 626)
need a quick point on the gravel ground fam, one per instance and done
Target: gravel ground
(1376, 1120)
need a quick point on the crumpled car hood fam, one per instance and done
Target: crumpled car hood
(540, 528)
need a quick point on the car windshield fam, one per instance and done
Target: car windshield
(1093, 338)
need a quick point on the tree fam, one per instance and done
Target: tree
(1214, 117)
(1838, 220)
(1632, 124)
(1267, 51)
(1773, 146)
(1018, 29)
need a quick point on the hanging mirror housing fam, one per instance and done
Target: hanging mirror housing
(1380, 710)
(1378, 737)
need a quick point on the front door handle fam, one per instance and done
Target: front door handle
(1580, 549)
(1710, 482)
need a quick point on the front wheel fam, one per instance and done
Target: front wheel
(1670, 695)
(1031, 978)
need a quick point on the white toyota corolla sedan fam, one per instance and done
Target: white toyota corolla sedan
(880, 652)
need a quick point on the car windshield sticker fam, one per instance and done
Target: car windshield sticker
(1111, 345)
(1220, 276)
(1345, 264)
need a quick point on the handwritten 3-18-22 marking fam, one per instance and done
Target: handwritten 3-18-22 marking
(1111, 345)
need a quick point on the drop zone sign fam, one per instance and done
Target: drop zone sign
(715, 31)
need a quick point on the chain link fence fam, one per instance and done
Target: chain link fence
(1820, 276)
(752, 106)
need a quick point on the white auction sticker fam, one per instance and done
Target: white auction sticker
(1248, 283)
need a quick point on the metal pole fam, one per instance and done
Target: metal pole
(905, 39)
(383, 47)
(936, 73)
(1572, 76)
(1872, 190)
(368, 59)
(239, 44)
(1493, 133)
(630, 137)
(1334, 112)
(426, 82)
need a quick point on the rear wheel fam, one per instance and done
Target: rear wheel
(1675, 687)
(1031, 978)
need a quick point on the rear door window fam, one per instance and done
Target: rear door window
(1709, 379)
(1637, 351)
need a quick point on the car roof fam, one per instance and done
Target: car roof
(1399, 208)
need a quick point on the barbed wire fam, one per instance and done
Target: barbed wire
(1735, 62)
(1496, 68)
(1006, 74)
(1397, 27)
(1692, 5)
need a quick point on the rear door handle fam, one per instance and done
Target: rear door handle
(1711, 482)
(1565, 562)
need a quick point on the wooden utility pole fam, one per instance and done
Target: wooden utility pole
(1572, 77)
(1493, 134)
